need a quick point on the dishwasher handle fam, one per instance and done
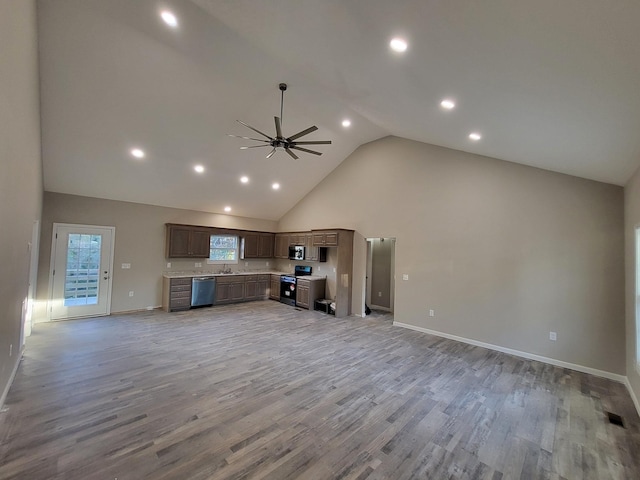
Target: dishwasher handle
(202, 279)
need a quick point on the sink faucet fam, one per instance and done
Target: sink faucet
(225, 269)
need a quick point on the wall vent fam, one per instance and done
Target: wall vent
(615, 419)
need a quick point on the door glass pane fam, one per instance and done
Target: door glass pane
(83, 270)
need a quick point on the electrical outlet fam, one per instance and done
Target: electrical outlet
(553, 336)
(131, 293)
(246, 264)
(168, 264)
(379, 294)
(126, 266)
(334, 269)
(198, 264)
(432, 313)
(267, 264)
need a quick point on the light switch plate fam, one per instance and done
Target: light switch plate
(405, 276)
(126, 265)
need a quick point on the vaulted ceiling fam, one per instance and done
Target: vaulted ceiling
(549, 84)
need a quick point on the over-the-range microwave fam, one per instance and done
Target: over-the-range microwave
(296, 252)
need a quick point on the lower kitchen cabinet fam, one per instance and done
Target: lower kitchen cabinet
(274, 292)
(230, 289)
(176, 294)
(308, 291)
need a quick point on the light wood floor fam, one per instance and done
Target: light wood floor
(262, 390)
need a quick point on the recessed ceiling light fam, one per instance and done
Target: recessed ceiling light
(346, 123)
(275, 186)
(447, 104)
(227, 209)
(398, 44)
(244, 179)
(136, 152)
(475, 136)
(169, 18)
(199, 168)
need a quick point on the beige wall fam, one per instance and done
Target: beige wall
(502, 252)
(632, 220)
(21, 166)
(139, 240)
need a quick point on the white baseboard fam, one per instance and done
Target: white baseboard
(518, 353)
(13, 375)
(633, 394)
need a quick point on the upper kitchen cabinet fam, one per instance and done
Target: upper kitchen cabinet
(185, 241)
(281, 246)
(258, 245)
(325, 239)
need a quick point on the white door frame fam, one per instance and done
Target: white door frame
(53, 257)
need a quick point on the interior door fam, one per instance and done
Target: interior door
(82, 261)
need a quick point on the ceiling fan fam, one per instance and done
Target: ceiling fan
(280, 141)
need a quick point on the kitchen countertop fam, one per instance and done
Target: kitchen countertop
(213, 274)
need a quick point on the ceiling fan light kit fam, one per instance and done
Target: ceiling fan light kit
(280, 141)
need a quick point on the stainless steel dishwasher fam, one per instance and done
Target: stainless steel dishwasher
(203, 291)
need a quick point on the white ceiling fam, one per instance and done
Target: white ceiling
(550, 84)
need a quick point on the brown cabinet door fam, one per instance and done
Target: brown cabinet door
(282, 246)
(222, 293)
(265, 246)
(310, 252)
(251, 245)
(199, 243)
(236, 291)
(302, 294)
(318, 240)
(178, 242)
(263, 289)
(331, 239)
(251, 290)
(274, 292)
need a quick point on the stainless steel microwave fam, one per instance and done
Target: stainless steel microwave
(296, 252)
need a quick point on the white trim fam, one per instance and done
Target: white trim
(379, 307)
(633, 394)
(518, 353)
(11, 377)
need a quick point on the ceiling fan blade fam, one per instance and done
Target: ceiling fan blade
(278, 128)
(247, 138)
(302, 133)
(271, 154)
(254, 129)
(291, 153)
(255, 146)
(317, 142)
(305, 150)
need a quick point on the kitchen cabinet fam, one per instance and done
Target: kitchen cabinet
(184, 241)
(256, 287)
(241, 288)
(325, 239)
(314, 254)
(281, 246)
(230, 289)
(274, 291)
(265, 245)
(297, 239)
(176, 294)
(263, 287)
(308, 291)
(258, 245)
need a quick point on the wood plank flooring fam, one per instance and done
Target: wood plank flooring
(264, 391)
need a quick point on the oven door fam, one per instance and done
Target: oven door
(288, 290)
